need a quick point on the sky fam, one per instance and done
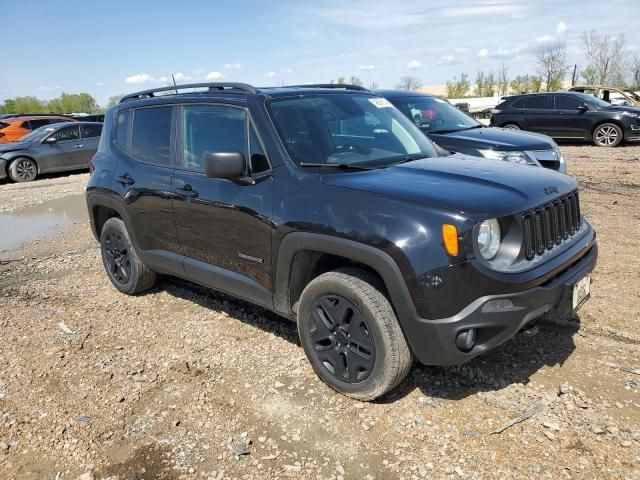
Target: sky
(112, 47)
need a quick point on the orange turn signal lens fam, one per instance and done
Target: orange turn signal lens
(450, 239)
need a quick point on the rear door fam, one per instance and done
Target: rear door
(538, 111)
(90, 138)
(568, 120)
(143, 176)
(64, 153)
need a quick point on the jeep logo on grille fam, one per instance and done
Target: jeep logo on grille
(550, 190)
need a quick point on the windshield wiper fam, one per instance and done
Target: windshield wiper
(341, 166)
(408, 158)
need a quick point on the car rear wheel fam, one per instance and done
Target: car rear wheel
(351, 336)
(607, 135)
(124, 268)
(23, 169)
(511, 126)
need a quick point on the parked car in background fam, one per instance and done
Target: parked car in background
(569, 115)
(52, 148)
(612, 95)
(456, 131)
(13, 128)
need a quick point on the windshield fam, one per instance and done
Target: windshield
(346, 129)
(590, 99)
(37, 134)
(432, 114)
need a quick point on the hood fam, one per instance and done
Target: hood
(490, 138)
(622, 108)
(13, 146)
(474, 186)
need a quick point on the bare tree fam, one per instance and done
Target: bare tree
(458, 88)
(503, 80)
(552, 64)
(373, 85)
(590, 75)
(480, 83)
(490, 85)
(355, 81)
(606, 56)
(410, 83)
(634, 69)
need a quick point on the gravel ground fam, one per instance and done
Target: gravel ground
(184, 382)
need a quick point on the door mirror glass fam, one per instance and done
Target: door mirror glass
(52, 140)
(583, 108)
(229, 165)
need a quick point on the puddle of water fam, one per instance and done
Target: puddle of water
(40, 221)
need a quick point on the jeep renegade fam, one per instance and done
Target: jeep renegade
(326, 205)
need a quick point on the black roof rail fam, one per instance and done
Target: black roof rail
(344, 86)
(213, 87)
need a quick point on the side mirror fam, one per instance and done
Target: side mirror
(583, 108)
(51, 140)
(229, 165)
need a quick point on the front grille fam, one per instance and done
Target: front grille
(550, 225)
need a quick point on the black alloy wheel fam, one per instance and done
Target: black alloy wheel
(342, 339)
(117, 257)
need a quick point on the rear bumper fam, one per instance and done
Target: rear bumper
(436, 343)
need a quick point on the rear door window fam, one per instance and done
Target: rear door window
(89, 131)
(151, 137)
(565, 102)
(37, 123)
(537, 102)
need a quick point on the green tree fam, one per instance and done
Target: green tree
(114, 100)
(480, 83)
(458, 88)
(536, 83)
(355, 81)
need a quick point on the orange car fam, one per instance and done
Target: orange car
(14, 128)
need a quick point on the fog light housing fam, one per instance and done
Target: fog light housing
(466, 339)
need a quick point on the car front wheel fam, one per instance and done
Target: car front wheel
(23, 169)
(607, 135)
(351, 336)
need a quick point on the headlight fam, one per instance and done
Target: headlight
(513, 157)
(489, 237)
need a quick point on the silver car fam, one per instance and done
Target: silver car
(48, 149)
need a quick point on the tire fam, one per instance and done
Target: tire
(511, 126)
(121, 262)
(351, 336)
(607, 135)
(23, 169)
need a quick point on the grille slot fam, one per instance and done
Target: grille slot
(550, 225)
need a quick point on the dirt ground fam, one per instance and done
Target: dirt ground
(184, 382)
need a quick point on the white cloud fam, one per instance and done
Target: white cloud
(99, 84)
(232, 66)
(49, 89)
(366, 67)
(461, 49)
(181, 77)
(489, 8)
(414, 64)
(286, 70)
(446, 60)
(214, 76)
(545, 39)
(139, 79)
(483, 53)
(561, 27)
(270, 74)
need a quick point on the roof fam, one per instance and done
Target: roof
(401, 93)
(35, 117)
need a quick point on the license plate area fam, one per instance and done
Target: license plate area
(581, 292)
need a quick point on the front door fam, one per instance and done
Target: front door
(64, 153)
(222, 224)
(568, 120)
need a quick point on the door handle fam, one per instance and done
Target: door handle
(187, 191)
(125, 179)
(78, 146)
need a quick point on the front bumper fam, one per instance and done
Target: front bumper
(434, 341)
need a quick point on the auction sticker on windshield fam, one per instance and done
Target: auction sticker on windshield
(381, 102)
(581, 292)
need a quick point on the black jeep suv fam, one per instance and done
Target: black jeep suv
(330, 207)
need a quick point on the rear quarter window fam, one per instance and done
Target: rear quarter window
(151, 136)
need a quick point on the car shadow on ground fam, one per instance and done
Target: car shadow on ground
(515, 361)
